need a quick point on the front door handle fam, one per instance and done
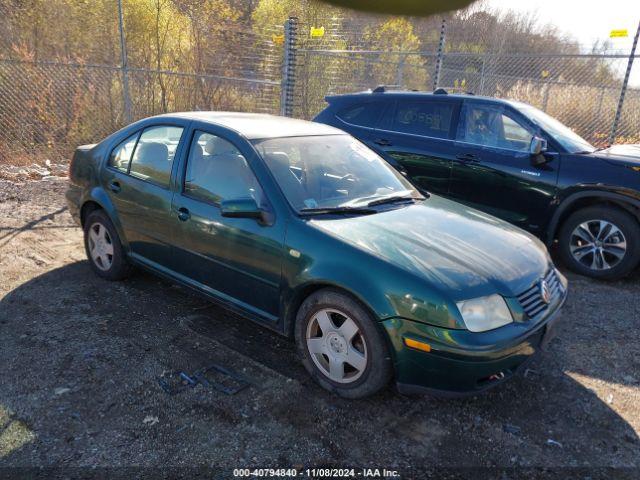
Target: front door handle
(115, 186)
(468, 157)
(183, 214)
(383, 142)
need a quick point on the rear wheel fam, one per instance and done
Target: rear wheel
(601, 242)
(341, 346)
(104, 250)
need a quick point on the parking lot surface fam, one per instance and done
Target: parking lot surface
(80, 359)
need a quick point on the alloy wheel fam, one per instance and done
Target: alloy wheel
(100, 246)
(598, 244)
(336, 345)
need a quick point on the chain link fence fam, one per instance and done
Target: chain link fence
(580, 90)
(47, 107)
(567, 87)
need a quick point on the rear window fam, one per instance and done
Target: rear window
(153, 157)
(121, 155)
(431, 119)
(361, 114)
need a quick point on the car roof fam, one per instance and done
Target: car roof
(257, 125)
(395, 94)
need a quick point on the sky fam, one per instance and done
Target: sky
(586, 20)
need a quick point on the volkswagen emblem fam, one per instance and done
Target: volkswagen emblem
(545, 291)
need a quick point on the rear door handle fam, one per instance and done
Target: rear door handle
(183, 214)
(468, 157)
(115, 186)
(383, 142)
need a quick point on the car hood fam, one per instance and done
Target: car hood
(621, 154)
(457, 249)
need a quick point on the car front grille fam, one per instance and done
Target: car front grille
(532, 301)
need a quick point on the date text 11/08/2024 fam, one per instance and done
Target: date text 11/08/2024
(316, 472)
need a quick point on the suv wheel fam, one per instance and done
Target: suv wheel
(600, 242)
(341, 346)
(103, 247)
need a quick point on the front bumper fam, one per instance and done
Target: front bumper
(462, 362)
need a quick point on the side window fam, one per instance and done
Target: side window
(154, 154)
(431, 119)
(361, 114)
(121, 155)
(492, 126)
(514, 132)
(216, 171)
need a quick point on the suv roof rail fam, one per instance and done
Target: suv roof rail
(379, 89)
(384, 88)
(454, 90)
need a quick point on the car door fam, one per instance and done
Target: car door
(493, 168)
(237, 260)
(138, 181)
(416, 137)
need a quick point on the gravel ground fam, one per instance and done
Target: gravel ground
(80, 357)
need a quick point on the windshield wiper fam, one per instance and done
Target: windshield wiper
(393, 199)
(337, 211)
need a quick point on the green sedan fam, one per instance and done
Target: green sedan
(302, 229)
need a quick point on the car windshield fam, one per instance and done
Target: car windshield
(332, 171)
(570, 140)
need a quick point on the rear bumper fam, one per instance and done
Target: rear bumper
(463, 363)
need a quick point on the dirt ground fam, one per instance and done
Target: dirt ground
(80, 358)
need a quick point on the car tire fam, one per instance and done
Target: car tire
(331, 329)
(103, 247)
(600, 242)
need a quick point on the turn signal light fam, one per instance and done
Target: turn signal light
(425, 347)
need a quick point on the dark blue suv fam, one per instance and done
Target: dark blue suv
(511, 160)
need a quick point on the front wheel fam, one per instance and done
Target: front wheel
(341, 346)
(600, 242)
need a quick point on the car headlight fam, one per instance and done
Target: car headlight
(485, 313)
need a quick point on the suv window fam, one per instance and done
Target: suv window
(361, 114)
(153, 156)
(216, 171)
(492, 126)
(121, 155)
(431, 119)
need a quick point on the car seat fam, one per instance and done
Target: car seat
(152, 161)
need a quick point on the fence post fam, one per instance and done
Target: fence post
(481, 90)
(436, 76)
(126, 99)
(545, 96)
(400, 71)
(287, 85)
(623, 91)
(600, 99)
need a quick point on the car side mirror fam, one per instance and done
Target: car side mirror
(241, 208)
(537, 147)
